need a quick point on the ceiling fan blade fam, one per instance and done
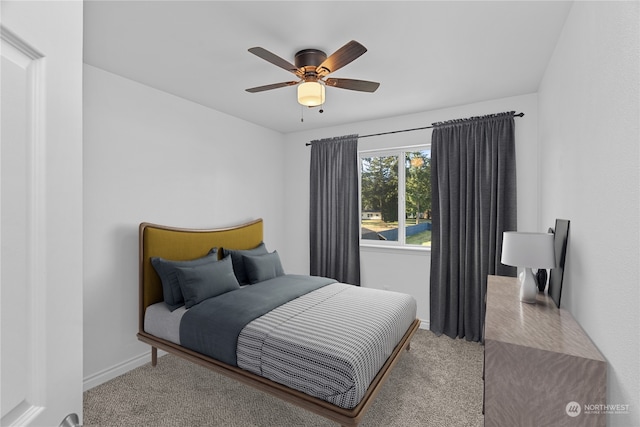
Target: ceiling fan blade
(341, 57)
(271, 86)
(352, 84)
(274, 59)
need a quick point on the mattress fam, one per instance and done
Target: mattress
(329, 343)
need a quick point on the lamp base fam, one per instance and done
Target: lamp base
(528, 286)
(541, 278)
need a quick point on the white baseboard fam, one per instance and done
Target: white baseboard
(115, 371)
(424, 324)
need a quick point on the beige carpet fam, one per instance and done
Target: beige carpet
(437, 383)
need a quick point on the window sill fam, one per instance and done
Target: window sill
(394, 248)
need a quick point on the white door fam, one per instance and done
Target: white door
(40, 212)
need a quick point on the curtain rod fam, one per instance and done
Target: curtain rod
(406, 130)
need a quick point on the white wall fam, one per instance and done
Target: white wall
(589, 137)
(150, 156)
(404, 270)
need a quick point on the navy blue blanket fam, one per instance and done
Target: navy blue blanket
(212, 326)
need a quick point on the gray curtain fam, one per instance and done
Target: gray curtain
(473, 178)
(334, 223)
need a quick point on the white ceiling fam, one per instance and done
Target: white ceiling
(426, 54)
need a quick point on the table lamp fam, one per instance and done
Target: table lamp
(528, 250)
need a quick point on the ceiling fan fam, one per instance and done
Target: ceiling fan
(312, 66)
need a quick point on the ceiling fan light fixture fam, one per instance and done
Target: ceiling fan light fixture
(311, 94)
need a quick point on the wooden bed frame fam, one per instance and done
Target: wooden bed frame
(183, 244)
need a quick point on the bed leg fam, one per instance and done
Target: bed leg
(154, 356)
(409, 346)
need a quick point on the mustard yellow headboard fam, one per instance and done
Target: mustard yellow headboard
(180, 244)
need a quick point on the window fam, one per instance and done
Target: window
(395, 197)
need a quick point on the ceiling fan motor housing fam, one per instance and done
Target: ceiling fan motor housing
(309, 59)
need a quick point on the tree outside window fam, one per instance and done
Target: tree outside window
(396, 201)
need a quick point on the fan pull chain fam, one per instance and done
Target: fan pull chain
(301, 114)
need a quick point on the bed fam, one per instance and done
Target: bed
(288, 337)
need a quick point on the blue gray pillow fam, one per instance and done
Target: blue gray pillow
(238, 261)
(166, 269)
(262, 267)
(201, 282)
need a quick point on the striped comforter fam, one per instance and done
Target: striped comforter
(329, 343)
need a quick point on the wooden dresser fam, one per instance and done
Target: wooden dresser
(538, 360)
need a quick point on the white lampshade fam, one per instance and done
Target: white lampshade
(311, 94)
(533, 250)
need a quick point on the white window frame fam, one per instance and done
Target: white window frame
(400, 152)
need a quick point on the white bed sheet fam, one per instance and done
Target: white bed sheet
(164, 323)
